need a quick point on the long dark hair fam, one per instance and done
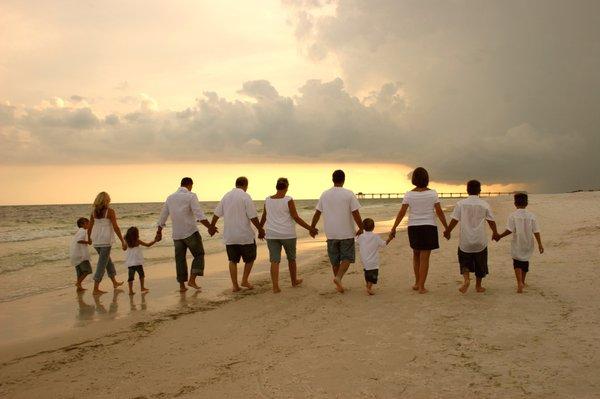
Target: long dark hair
(132, 237)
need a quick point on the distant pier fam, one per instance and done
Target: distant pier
(441, 195)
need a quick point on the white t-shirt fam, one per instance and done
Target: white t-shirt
(237, 208)
(79, 252)
(185, 211)
(280, 224)
(421, 207)
(337, 205)
(522, 224)
(369, 245)
(472, 214)
(134, 256)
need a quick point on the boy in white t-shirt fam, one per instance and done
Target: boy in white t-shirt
(524, 227)
(80, 254)
(369, 245)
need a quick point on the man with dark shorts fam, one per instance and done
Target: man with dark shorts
(238, 210)
(340, 209)
(472, 213)
(185, 211)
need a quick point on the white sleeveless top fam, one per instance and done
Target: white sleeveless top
(103, 234)
(280, 224)
(134, 256)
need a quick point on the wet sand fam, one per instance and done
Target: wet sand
(312, 342)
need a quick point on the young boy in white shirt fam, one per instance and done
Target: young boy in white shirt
(472, 213)
(524, 227)
(369, 245)
(79, 253)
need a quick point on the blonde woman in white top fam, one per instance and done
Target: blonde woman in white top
(423, 205)
(101, 231)
(279, 219)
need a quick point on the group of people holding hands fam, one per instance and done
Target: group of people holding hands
(340, 210)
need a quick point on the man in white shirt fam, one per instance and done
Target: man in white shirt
(185, 211)
(472, 213)
(238, 210)
(340, 209)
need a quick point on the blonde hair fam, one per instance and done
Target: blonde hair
(101, 203)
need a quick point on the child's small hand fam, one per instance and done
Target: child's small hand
(541, 249)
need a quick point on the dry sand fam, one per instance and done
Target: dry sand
(310, 342)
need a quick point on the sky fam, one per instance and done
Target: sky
(130, 96)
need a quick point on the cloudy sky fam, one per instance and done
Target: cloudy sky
(130, 95)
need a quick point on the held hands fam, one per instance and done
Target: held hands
(313, 231)
(261, 234)
(124, 245)
(212, 230)
(447, 234)
(359, 232)
(496, 237)
(392, 234)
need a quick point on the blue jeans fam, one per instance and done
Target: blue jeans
(104, 264)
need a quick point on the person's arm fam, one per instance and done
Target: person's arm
(510, 227)
(538, 238)
(199, 214)
(495, 234)
(162, 220)
(440, 214)
(315, 218)
(263, 218)
(298, 219)
(399, 218)
(83, 236)
(358, 221)
(113, 219)
(451, 226)
(504, 234)
(89, 230)
(261, 231)
(147, 244)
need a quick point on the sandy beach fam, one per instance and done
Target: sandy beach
(311, 342)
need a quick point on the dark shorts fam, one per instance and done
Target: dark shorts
(341, 250)
(132, 269)
(246, 252)
(521, 264)
(473, 262)
(371, 276)
(423, 238)
(84, 268)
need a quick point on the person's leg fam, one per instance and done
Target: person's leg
(233, 274)
(290, 252)
(103, 253)
(142, 276)
(194, 243)
(466, 283)
(423, 270)
(275, 277)
(112, 273)
(519, 277)
(274, 247)
(181, 263)
(416, 265)
(478, 286)
(370, 288)
(524, 274)
(333, 251)
(130, 277)
(249, 256)
(481, 269)
(463, 263)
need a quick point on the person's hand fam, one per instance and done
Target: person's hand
(212, 230)
(89, 242)
(541, 248)
(496, 237)
(261, 234)
(124, 246)
(359, 232)
(392, 233)
(157, 237)
(313, 232)
(447, 234)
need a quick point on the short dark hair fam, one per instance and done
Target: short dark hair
(338, 176)
(241, 181)
(132, 236)
(186, 181)
(282, 183)
(82, 221)
(521, 199)
(420, 177)
(473, 187)
(368, 224)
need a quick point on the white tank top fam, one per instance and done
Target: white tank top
(280, 224)
(103, 234)
(134, 256)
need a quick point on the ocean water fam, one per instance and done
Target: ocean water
(34, 240)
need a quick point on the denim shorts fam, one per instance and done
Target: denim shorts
(340, 250)
(275, 244)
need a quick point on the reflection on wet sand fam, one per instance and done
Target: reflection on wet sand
(112, 308)
(86, 311)
(142, 305)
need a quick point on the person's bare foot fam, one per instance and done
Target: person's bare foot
(131, 292)
(182, 289)
(276, 290)
(98, 292)
(236, 288)
(423, 290)
(80, 289)
(520, 289)
(370, 291)
(465, 286)
(338, 285)
(193, 285)
(479, 289)
(415, 287)
(247, 285)
(297, 282)
(144, 290)
(117, 284)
